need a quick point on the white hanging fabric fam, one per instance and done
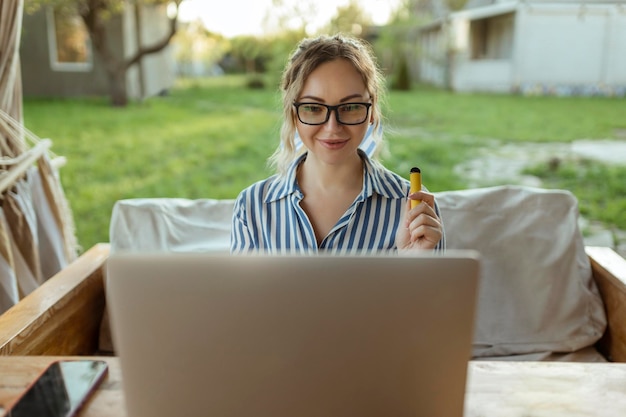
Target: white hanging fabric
(53, 250)
(53, 196)
(34, 204)
(9, 294)
(20, 214)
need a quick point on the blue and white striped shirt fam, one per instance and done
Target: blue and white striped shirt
(267, 215)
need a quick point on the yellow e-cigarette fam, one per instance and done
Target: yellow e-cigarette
(416, 183)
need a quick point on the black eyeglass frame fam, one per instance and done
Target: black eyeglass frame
(330, 110)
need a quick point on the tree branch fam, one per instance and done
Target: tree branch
(155, 47)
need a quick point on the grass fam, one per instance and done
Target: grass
(507, 117)
(210, 138)
(600, 188)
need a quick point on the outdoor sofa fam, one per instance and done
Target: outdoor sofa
(543, 294)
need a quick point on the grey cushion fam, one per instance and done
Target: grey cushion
(536, 292)
(171, 225)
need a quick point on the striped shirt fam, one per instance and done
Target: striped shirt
(267, 215)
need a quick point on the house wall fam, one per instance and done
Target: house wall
(552, 48)
(432, 61)
(616, 42)
(155, 73)
(469, 54)
(478, 3)
(488, 75)
(39, 79)
(571, 48)
(134, 74)
(485, 63)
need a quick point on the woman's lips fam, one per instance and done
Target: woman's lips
(333, 143)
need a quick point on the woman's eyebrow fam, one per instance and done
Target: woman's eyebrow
(312, 98)
(321, 100)
(351, 97)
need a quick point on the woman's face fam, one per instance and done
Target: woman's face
(333, 83)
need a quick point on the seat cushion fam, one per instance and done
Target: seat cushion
(536, 295)
(536, 292)
(166, 225)
(171, 225)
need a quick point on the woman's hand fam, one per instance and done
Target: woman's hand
(421, 228)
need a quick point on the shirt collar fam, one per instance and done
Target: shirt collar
(376, 179)
(285, 185)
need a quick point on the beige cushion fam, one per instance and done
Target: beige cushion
(536, 292)
(166, 225)
(171, 225)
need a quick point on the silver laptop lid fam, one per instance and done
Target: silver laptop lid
(221, 335)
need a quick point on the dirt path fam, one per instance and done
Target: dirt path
(505, 163)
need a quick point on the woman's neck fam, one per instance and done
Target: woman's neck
(314, 174)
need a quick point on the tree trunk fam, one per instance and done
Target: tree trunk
(117, 88)
(116, 73)
(115, 67)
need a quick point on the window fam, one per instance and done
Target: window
(69, 42)
(492, 38)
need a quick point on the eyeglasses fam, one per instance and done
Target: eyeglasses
(346, 114)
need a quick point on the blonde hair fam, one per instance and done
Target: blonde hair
(310, 54)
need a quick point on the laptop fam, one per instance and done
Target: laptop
(293, 335)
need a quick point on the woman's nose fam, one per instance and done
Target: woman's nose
(332, 123)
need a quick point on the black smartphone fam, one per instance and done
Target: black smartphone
(60, 390)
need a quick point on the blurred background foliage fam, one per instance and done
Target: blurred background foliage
(211, 134)
(200, 52)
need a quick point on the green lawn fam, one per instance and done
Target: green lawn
(211, 138)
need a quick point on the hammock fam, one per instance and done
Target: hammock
(37, 237)
(10, 74)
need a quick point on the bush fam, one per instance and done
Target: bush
(255, 82)
(402, 78)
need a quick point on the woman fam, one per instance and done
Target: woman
(329, 195)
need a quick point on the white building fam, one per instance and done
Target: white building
(58, 60)
(562, 47)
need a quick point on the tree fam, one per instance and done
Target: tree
(291, 17)
(95, 14)
(398, 41)
(198, 51)
(396, 45)
(451, 49)
(250, 51)
(350, 19)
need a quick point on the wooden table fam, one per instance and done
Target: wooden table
(502, 389)
(546, 389)
(16, 372)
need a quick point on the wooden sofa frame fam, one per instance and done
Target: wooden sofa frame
(63, 316)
